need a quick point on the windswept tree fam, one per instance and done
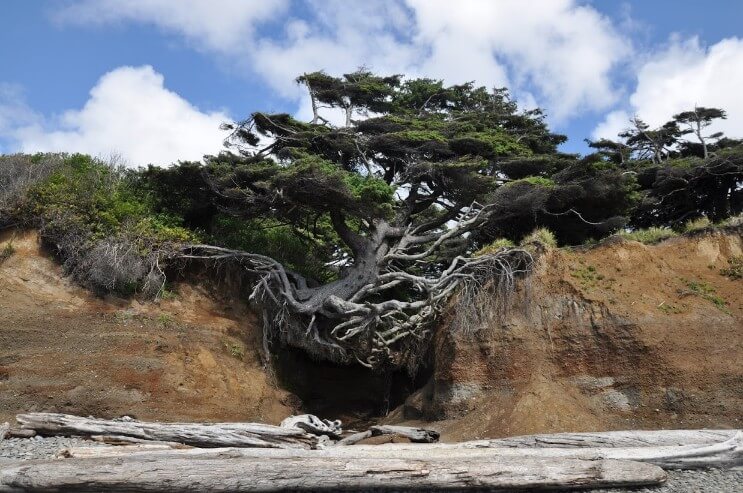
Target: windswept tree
(614, 151)
(651, 143)
(696, 121)
(397, 193)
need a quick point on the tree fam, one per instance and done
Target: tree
(612, 150)
(396, 193)
(651, 143)
(699, 119)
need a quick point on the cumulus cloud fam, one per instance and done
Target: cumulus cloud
(558, 51)
(129, 113)
(219, 25)
(685, 74)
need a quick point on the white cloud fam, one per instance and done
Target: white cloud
(563, 50)
(130, 113)
(686, 74)
(559, 51)
(614, 123)
(219, 25)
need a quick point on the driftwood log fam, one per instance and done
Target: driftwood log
(628, 438)
(195, 434)
(4, 428)
(721, 455)
(415, 435)
(286, 471)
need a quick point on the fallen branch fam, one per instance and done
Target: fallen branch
(316, 471)
(415, 435)
(195, 434)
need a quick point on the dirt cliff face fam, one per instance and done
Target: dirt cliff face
(191, 357)
(621, 335)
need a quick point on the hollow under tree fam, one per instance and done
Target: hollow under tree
(396, 190)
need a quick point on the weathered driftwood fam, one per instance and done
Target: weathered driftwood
(415, 435)
(124, 440)
(20, 433)
(629, 438)
(124, 450)
(196, 434)
(314, 471)
(721, 455)
(4, 428)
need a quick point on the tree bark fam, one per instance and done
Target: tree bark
(313, 471)
(196, 434)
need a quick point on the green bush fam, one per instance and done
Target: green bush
(649, 236)
(103, 226)
(495, 246)
(540, 235)
(697, 224)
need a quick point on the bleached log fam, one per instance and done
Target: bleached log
(627, 438)
(4, 430)
(196, 434)
(726, 454)
(415, 435)
(124, 440)
(313, 470)
(121, 450)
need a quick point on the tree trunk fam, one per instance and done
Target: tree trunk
(314, 471)
(196, 434)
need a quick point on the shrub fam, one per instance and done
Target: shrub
(649, 236)
(734, 270)
(18, 173)
(495, 246)
(7, 251)
(103, 228)
(540, 235)
(697, 224)
(733, 221)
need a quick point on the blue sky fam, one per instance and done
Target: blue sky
(151, 79)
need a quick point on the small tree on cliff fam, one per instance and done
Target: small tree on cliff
(397, 192)
(696, 121)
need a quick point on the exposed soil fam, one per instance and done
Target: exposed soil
(621, 335)
(193, 357)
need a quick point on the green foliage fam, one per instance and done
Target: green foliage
(93, 197)
(494, 247)
(697, 224)
(304, 251)
(734, 270)
(706, 292)
(539, 181)
(542, 236)
(236, 350)
(648, 236)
